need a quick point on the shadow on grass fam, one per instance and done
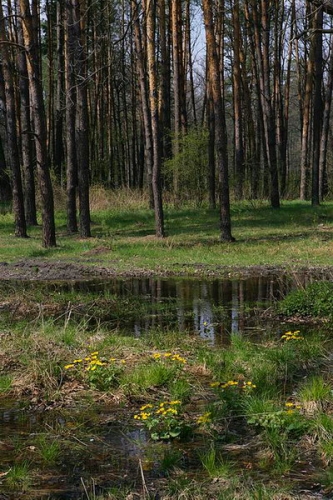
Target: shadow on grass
(201, 222)
(200, 226)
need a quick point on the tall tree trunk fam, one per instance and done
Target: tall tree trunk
(153, 94)
(306, 116)
(70, 100)
(37, 104)
(211, 149)
(326, 127)
(317, 105)
(26, 134)
(82, 125)
(13, 159)
(58, 153)
(238, 102)
(220, 126)
(260, 12)
(144, 96)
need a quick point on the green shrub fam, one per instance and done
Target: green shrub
(315, 300)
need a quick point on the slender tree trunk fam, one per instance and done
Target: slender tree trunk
(26, 134)
(326, 128)
(148, 143)
(71, 163)
(238, 101)
(189, 61)
(220, 126)
(306, 116)
(211, 149)
(58, 153)
(153, 94)
(38, 110)
(82, 121)
(13, 159)
(317, 105)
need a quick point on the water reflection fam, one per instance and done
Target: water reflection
(213, 309)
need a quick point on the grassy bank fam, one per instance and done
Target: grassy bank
(123, 237)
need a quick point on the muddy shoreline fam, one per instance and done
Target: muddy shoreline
(56, 270)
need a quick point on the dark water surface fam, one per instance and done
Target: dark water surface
(213, 308)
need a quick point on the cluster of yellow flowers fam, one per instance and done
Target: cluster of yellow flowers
(169, 355)
(292, 336)
(241, 384)
(164, 409)
(90, 362)
(205, 418)
(291, 407)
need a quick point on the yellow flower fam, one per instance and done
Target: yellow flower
(77, 361)
(215, 384)
(146, 406)
(94, 353)
(67, 367)
(177, 402)
(205, 418)
(289, 404)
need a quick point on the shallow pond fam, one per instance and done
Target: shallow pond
(102, 450)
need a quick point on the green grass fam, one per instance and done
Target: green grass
(123, 238)
(215, 465)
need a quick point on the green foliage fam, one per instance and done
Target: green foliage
(315, 300)
(214, 464)
(5, 383)
(146, 376)
(19, 478)
(48, 449)
(190, 166)
(315, 389)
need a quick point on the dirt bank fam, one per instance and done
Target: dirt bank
(42, 269)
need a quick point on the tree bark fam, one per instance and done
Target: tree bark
(317, 105)
(153, 94)
(144, 96)
(26, 134)
(70, 100)
(38, 110)
(220, 126)
(13, 160)
(82, 120)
